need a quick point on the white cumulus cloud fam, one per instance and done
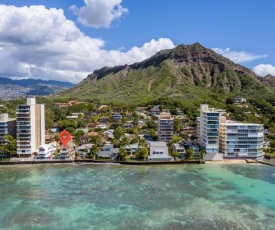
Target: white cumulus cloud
(264, 69)
(99, 13)
(238, 56)
(37, 42)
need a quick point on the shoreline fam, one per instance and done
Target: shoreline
(101, 162)
(133, 163)
(227, 161)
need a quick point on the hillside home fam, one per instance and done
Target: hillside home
(117, 116)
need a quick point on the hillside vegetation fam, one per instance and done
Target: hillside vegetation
(187, 72)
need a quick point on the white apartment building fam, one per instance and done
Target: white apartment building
(209, 128)
(7, 126)
(239, 140)
(30, 121)
(165, 127)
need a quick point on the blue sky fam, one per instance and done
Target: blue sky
(66, 40)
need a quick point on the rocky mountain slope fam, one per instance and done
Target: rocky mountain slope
(189, 72)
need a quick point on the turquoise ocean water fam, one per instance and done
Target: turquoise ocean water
(221, 196)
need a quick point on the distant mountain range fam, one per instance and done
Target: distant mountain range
(10, 89)
(187, 72)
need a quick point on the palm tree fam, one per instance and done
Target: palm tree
(122, 153)
(143, 151)
(124, 141)
(202, 153)
(189, 153)
(94, 151)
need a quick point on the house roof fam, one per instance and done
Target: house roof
(158, 144)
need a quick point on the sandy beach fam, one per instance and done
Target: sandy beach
(229, 161)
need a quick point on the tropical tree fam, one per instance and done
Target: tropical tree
(142, 153)
(116, 142)
(3, 149)
(141, 142)
(122, 153)
(189, 153)
(152, 124)
(118, 132)
(79, 134)
(174, 154)
(10, 147)
(202, 153)
(124, 141)
(94, 151)
(176, 139)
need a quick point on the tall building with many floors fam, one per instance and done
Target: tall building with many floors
(165, 127)
(239, 140)
(30, 121)
(209, 128)
(7, 126)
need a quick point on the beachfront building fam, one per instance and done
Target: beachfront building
(30, 122)
(108, 151)
(7, 126)
(159, 151)
(191, 144)
(239, 140)
(198, 121)
(209, 128)
(179, 148)
(165, 127)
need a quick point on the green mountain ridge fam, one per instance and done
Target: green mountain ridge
(187, 72)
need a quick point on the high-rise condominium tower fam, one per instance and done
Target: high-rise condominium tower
(165, 127)
(209, 129)
(30, 121)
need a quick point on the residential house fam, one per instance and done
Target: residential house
(179, 148)
(128, 125)
(108, 151)
(103, 119)
(117, 116)
(132, 148)
(101, 126)
(159, 151)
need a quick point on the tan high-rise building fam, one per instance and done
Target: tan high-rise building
(30, 121)
(165, 127)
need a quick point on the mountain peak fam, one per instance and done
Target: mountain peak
(171, 73)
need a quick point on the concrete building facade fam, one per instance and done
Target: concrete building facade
(30, 121)
(7, 126)
(209, 128)
(239, 140)
(165, 127)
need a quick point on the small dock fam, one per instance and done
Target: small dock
(250, 161)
